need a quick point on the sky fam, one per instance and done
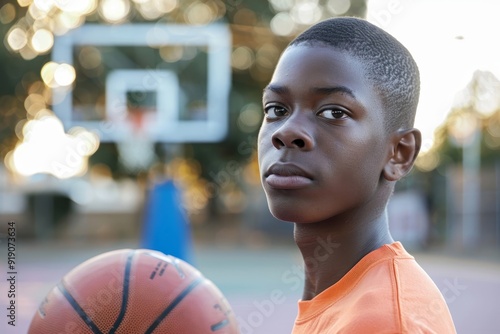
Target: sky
(450, 40)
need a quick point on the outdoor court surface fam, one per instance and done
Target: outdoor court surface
(262, 284)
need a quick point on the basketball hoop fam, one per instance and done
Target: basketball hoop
(136, 151)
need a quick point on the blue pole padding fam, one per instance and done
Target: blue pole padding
(166, 227)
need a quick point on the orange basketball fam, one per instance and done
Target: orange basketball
(134, 292)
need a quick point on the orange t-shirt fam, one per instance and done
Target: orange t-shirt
(385, 292)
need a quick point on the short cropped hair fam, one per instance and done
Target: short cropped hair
(388, 64)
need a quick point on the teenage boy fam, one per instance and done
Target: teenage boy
(337, 135)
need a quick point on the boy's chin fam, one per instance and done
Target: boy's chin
(290, 216)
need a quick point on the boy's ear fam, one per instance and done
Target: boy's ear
(404, 150)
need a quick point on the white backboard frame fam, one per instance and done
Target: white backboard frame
(215, 37)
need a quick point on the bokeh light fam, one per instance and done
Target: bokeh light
(46, 148)
(306, 13)
(44, 5)
(114, 11)
(233, 199)
(7, 13)
(493, 131)
(250, 117)
(427, 161)
(90, 57)
(64, 75)
(24, 3)
(462, 127)
(148, 10)
(165, 6)
(47, 73)
(189, 52)
(282, 24)
(34, 103)
(28, 53)
(65, 21)
(242, 58)
(338, 7)
(42, 40)
(154, 9)
(281, 5)
(172, 53)
(80, 7)
(17, 38)
(187, 175)
(36, 12)
(199, 13)
(58, 75)
(267, 56)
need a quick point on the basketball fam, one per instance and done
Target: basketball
(134, 291)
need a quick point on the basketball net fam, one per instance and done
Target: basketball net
(136, 152)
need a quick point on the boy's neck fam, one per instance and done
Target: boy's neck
(330, 249)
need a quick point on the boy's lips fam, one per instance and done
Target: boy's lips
(287, 176)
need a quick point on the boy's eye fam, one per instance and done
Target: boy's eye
(273, 112)
(332, 113)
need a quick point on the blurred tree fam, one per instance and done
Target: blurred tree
(478, 109)
(467, 142)
(261, 29)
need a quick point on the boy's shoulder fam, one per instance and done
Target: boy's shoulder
(386, 292)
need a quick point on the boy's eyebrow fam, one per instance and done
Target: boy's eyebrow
(333, 90)
(276, 89)
(316, 90)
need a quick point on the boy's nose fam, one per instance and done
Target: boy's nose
(293, 134)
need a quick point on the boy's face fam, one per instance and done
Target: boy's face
(322, 144)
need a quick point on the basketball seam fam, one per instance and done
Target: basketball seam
(78, 309)
(219, 325)
(126, 283)
(173, 304)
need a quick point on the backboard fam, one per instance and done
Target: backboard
(131, 63)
